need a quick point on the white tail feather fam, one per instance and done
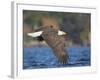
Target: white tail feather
(35, 34)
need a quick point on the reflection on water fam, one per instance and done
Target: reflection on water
(43, 57)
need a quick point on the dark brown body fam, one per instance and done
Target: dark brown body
(56, 42)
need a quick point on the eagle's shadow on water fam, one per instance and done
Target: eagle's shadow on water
(43, 57)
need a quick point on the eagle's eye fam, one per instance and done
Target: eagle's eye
(51, 26)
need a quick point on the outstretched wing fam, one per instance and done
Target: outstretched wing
(57, 43)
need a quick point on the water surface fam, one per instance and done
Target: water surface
(43, 57)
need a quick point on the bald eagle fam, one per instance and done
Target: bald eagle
(54, 39)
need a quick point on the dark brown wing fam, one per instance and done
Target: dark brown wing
(57, 43)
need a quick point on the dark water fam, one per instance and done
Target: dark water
(43, 57)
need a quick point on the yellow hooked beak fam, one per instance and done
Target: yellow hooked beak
(62, 33)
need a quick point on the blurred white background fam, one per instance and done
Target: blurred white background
(5, 39)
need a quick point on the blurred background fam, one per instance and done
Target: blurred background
(77, 25)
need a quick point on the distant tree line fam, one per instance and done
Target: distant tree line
(77, 25)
